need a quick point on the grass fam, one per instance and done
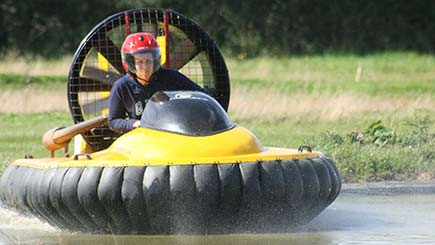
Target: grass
(378, 153)
(329, 102)
(316, 100)
(19, 81)
(380, 74)
(410, 156)
(21, 134)
(34, 66)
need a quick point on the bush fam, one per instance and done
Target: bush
(381, 153)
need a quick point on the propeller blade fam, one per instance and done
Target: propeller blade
(90, 85)
(96, 106)
(108, 49)
(106, 77)
(183, 53)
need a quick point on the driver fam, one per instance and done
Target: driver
(129, 95)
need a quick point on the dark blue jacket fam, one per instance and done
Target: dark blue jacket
(128, 97)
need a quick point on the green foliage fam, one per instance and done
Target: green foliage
(50, 28)
(242, 28)
(420, 134)
(380, 135)
(381, 153)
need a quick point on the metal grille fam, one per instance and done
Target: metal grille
(97, 63)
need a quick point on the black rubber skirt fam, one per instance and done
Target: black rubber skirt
(207, 198)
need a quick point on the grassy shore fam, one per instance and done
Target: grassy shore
(373, 114)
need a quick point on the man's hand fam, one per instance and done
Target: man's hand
(136, 124)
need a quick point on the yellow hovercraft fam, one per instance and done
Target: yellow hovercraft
(188, 168)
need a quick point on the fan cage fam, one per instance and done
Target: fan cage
(97, 63)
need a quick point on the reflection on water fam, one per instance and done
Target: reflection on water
(352, 219)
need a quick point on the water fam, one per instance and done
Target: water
(401, 215)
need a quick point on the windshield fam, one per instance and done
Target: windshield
(185, 112)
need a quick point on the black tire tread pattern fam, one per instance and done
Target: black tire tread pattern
(176, 198)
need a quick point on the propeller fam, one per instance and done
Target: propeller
(97, 64)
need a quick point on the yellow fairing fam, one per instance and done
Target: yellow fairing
(152, 145)
(147, 147)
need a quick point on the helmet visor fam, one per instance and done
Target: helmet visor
(142, 58)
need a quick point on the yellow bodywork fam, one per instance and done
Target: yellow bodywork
(148, 147)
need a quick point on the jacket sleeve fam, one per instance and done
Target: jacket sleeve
(117, 114)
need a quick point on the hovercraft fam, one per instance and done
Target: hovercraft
(187, 168)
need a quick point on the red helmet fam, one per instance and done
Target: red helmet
(137, 43)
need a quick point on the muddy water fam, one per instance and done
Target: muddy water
(404, 215)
